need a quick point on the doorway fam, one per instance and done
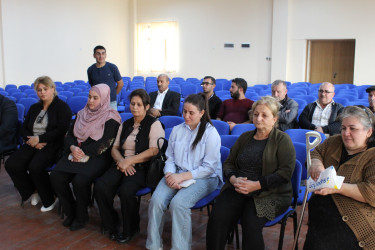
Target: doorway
(331, 61)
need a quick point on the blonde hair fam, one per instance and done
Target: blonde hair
(271, 103)
(46, 81)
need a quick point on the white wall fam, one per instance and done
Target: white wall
(204, 27)
(56, 37)
(334, 19)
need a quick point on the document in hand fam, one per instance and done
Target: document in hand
(187, 183)
(327, 179)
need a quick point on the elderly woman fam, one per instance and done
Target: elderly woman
(87, 157)
(43, 131)
(258, 188)
(193, 154)
(135, 144)
(344, 218)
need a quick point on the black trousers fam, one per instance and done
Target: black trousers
(231, 206)
(106, 187)
(82, 191)
(27, 169)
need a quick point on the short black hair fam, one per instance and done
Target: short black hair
(241, 83)
(213, 80)
(98, 47)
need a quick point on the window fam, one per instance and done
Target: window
(157, 47)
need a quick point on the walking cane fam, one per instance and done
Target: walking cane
(309, 147)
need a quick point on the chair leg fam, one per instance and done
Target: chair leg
(295, 225)
(282, 230)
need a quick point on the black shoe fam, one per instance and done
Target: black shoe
(68, 221)
(77, 225)
(126, 238)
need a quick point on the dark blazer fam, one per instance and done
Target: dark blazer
(8, 124)
(171, 102)
(333, 127)
(59, 117)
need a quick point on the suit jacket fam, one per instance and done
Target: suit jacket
(171, 102)
(8, 124)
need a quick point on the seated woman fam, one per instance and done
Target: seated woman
(87, 155)
(138, 139)
(344, 218)
(258, 172)
(193, 153)
(43, 131)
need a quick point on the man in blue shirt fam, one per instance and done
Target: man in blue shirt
(105, 72)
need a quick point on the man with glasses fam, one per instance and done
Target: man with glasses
(321, 115)
(214, 102)
(289, 108)
(235, 111)
(371, 98)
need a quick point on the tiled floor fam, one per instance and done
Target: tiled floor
(28, 228)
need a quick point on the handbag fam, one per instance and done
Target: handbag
(155, 170)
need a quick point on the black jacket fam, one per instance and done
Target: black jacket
(333, 127)
(59, 117)
(171, 102)
(8, 124)
(288, 120)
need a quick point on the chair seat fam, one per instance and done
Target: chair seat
(207, 199)
(277, 219)
(143, 191)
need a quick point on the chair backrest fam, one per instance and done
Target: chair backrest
(27, 102)
(20, 111)
(126, 116)
(168, 132)
(63, 98)
(29, 91)
(241, 128)
(296, 181)
(221, 127)
(228, 140)
(24, 87)
(75, 90)
(10, 86)
(4, 93)
(68, 94)
(187, 89)
(301, 156)
(19, 95)
(224, 152)
(76, 103)
(171, 121)
(299, 135)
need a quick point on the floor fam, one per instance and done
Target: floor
(28, 228)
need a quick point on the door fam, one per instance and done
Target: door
(331, 61)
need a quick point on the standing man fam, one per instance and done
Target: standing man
(105, 72)
(289, 108)
(371, 98)
(321, 115)
(236, 110)
(164, 101)
(214, 102)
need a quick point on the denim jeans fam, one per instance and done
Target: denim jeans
(113, 105)
(180, 202)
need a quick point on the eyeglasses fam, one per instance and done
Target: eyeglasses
(206, 83)
(325, 91)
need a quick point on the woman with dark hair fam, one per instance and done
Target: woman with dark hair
(43, 131)
(344, 218)
(193, 154)
(135, 145)
(87, 155)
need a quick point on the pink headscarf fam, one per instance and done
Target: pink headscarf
(90, 123)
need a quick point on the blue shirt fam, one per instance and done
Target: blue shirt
(203, 162)
(108, 74)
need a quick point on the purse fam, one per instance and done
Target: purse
(155, 170)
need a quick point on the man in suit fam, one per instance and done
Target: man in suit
(164, 101)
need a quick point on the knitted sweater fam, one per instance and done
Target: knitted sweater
(359, 170)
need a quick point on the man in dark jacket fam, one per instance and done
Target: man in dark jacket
(214, 102)
(289, 108)
(8, 124)
(321, 115)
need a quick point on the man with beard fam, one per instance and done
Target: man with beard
(371, 98)
(289, 108)
(235, 111)
(214, 102)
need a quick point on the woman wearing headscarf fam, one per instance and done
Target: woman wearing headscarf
(43, 131)
(87, 155)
